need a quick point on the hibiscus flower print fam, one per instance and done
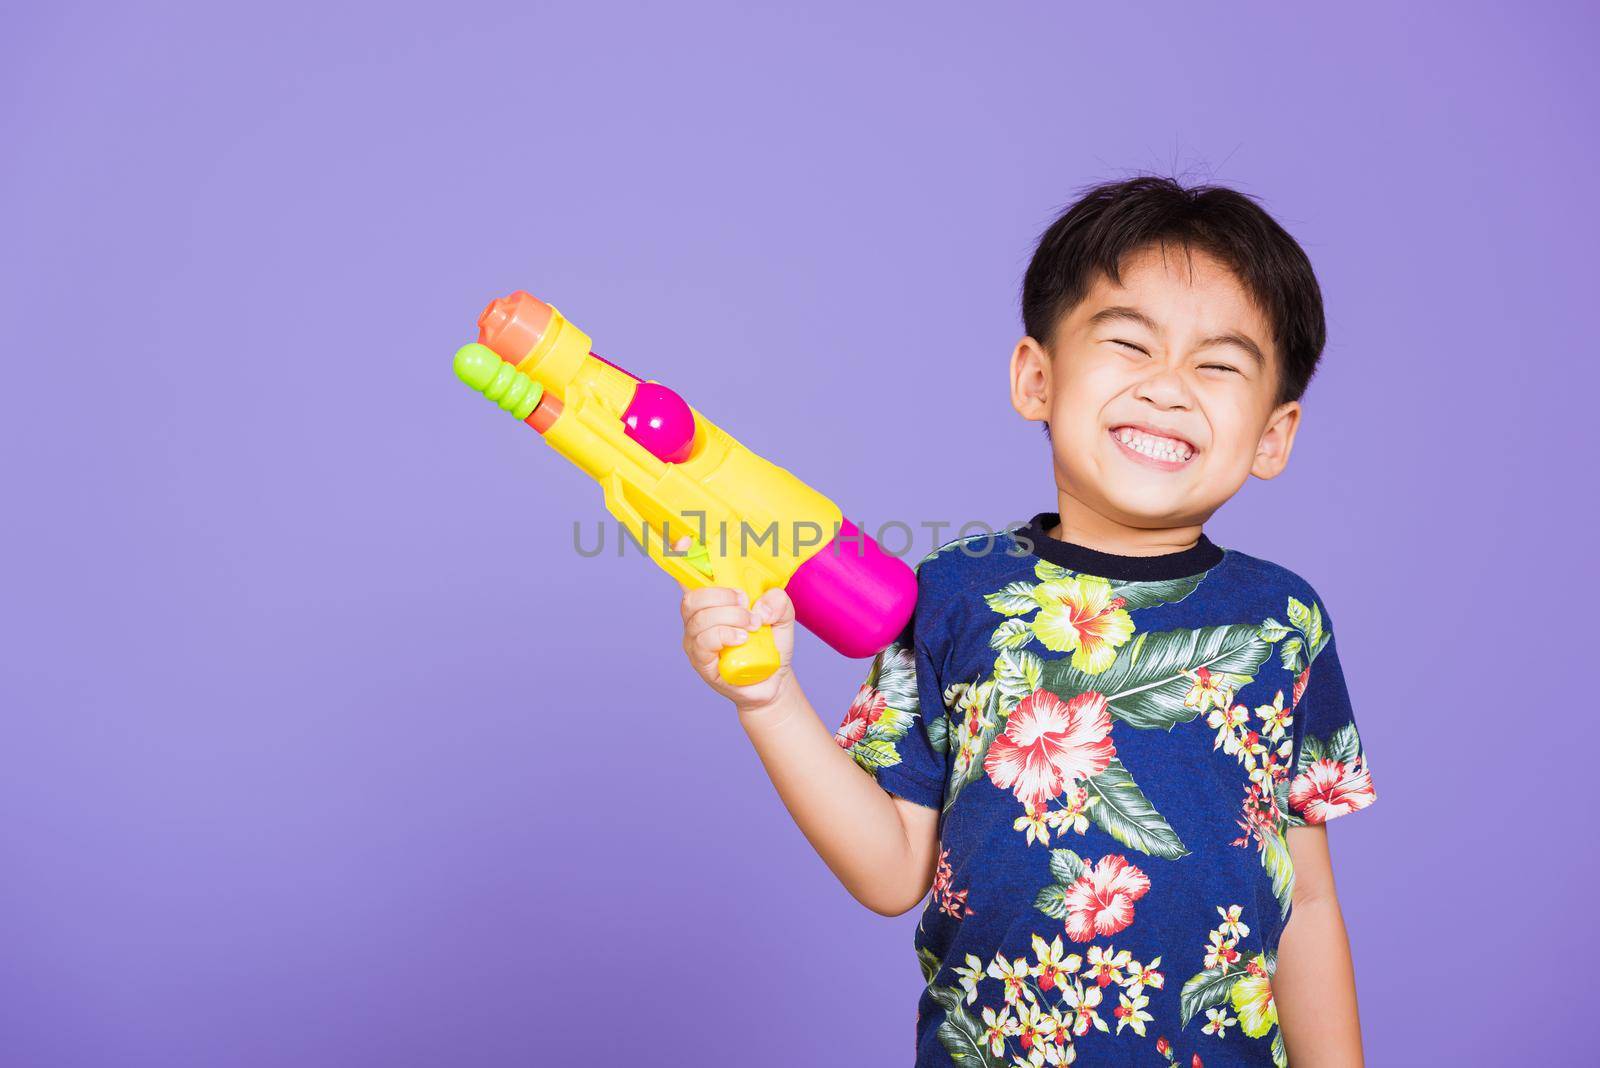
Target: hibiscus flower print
(1101, 901)
(1252, 1000)
(884, 708)
(1080, 615)
(1329, 788)
(865, 710)
(1049, 744)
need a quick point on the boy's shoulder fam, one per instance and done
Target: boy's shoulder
(983, 557)
(1269, 575)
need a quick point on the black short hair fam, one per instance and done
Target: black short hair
(1112, 220)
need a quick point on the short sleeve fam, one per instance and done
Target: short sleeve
(886, 730)
(1329, 775)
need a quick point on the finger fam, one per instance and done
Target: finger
(715, 639)
(774, 606)
(707, 597)
(730, 615)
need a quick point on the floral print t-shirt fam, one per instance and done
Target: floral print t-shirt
(1117, 747)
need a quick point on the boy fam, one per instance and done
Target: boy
(1106, 744)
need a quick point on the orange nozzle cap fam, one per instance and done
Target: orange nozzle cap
(513, 325)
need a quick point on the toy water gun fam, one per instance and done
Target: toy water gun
(669, 472)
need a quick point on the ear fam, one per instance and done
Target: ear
(1030, 381)
(1272, 454)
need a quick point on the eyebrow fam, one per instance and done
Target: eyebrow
(1134, 315)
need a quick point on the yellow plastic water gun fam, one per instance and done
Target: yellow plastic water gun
(668, 472)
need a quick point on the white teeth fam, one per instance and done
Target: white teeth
(1150, 445)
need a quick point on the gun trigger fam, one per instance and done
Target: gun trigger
(697, 557)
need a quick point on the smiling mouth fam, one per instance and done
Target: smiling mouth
(1162, 451)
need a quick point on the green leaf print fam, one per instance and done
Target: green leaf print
(1012, 599)
(1049, 572)
(1017, 673)
(1289, 654)
(895, 721)
(1275, 859)
(1142, 594)
(894, 677)
(1280, 790)
(1344, 746)
(1146, 594)
(938, 728)
(951, 546)
(1206, 990)
(1299, 649)
(960, 1032)
(1147, 685)
(1067, 866)
(1122, 810)
(1052, 901)
(1315, 638)
(1012, 634)
(930, 963)
(978, 747)
(872, 753)
(1280, 1055)
(1271, 630)
(1299, 615)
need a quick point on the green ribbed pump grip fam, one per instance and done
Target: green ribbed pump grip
(482, 368)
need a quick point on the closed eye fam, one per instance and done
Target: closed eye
(1136, 348)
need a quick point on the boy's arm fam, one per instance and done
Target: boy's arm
(883, 849)
(1315, 986)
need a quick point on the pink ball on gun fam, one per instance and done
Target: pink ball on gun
(661, 421)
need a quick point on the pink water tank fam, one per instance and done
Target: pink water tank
(853, 595)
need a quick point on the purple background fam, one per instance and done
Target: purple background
(322, 747)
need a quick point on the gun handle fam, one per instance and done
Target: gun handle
(751, 661)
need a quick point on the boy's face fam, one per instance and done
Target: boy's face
(1145, 354)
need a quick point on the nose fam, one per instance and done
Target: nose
(1164, 387)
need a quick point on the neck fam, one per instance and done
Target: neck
(1082, 525)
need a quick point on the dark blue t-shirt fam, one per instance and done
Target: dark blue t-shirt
(1117, 746)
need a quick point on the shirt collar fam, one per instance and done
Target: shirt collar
(1202, 556)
